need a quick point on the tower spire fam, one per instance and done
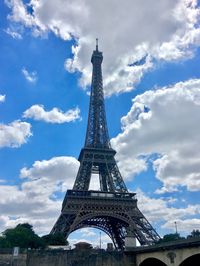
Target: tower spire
(97, 132)
(97, 44)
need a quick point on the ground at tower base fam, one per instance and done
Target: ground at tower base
(178, 253)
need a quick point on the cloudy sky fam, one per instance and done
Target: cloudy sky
(152, 86)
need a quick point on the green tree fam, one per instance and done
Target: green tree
(55, 240)
(21, 236)
(194, 234)
(170, 237)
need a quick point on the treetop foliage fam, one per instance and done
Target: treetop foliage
(23, 236)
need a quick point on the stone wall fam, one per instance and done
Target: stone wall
(73, 257)
(181, 250)
(7, 258)
(78, 258)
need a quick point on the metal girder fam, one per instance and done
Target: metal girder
(116, 214)
(101, 162)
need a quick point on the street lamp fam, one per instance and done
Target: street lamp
(176, 227)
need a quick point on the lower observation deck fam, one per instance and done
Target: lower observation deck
(95, 194)
(100, 194)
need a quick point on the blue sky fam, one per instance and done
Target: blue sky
(152, 88)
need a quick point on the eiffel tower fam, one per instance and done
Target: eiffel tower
(111, 209)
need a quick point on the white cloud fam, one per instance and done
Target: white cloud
(13, 34)
(2, 98)
(3, 221)
(29, 76)
(129, 166)
(164, 122)
(131, 33)
(37, 112)
(87, 232)
(14, 134)
(59, 171)
(35, 200)
(187, 225)
(160, 211)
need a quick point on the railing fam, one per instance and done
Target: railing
(100, 194)
(92, 194)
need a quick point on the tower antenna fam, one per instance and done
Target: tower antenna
(97, 44)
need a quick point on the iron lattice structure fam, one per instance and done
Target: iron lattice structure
(112, 209)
